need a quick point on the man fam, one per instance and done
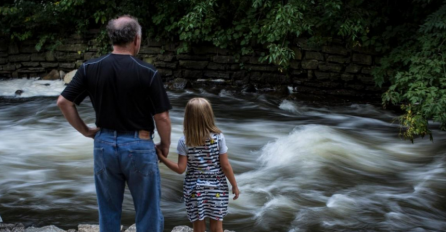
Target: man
(125, 93)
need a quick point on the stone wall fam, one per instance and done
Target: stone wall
(329, 70)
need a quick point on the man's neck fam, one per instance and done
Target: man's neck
(122, 51)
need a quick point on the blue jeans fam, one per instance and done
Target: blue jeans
(121, 157)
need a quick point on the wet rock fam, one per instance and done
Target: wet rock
(44, 229)
(62, 74)
(179, 84)
(53, 75)
(282, 91)
(87, 228)
(132, 228)
(249, 88)
(18, 92)
(69, 76)
(182, 229)
(4, 227)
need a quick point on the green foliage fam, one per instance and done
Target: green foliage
(411, 34)
(417, 73)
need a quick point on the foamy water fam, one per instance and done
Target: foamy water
(299, 167)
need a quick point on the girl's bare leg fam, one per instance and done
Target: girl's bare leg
(216, 226)
(199, 226)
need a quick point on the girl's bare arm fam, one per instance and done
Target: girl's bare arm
(179, 167)
(227, 169)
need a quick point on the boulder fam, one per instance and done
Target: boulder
(44, 229)
(249, 88)
(12, 227)
(69, 76)
(182, 229)
(62, 74)
(132, 228)
(18, 93)
(179, 84)
(53, 75)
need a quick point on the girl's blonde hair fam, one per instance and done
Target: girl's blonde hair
(199, 122)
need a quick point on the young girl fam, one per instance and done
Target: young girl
(203, 149)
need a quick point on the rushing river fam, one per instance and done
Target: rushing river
(300, 167)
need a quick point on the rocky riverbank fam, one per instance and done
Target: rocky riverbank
(4, 227)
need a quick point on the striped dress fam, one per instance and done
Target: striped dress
(205, 187)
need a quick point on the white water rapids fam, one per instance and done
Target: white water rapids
(300, 167)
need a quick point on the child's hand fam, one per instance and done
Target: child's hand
(159, 154)
(236, 192)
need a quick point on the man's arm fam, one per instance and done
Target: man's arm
(163, 127)
(70, 112)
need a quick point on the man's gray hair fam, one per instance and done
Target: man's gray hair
(123, 30)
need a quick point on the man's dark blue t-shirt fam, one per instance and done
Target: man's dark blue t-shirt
(126, 92)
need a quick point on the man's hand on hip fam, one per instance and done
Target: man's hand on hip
(91, 132)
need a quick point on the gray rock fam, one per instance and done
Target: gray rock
(88, 228)
(297, 53)
(179, 84)
(366, 79)
(69, 76)
(67, 65)
(190, 57)
(193, 64)
(165, 57)
(321, 75)
(310, 64)
(18, 93)
(335, 50)
(62, 74)
(53, 75)
(330, 67)
(49, 65)
(71, 47)
(338, 59)
(19, 227)
(45, 229)
(362, 59)
(165, 72)
(49, 56)
(89, 55)
(249, 88)
(313, 56)
(223, 59)
(216, 75)
(132, 228)
(30, 64)
(353, 68)
(13, 48)
(347, 77)
(38, 57)
(261, 68)
(150, 50)
(215, 66)
(182, 229)
(161, 64)
(19, 58)
(192, 74)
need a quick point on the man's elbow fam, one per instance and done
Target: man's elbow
(62, 102)
(164, 116)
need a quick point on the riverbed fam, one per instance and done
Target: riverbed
(300, 166)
